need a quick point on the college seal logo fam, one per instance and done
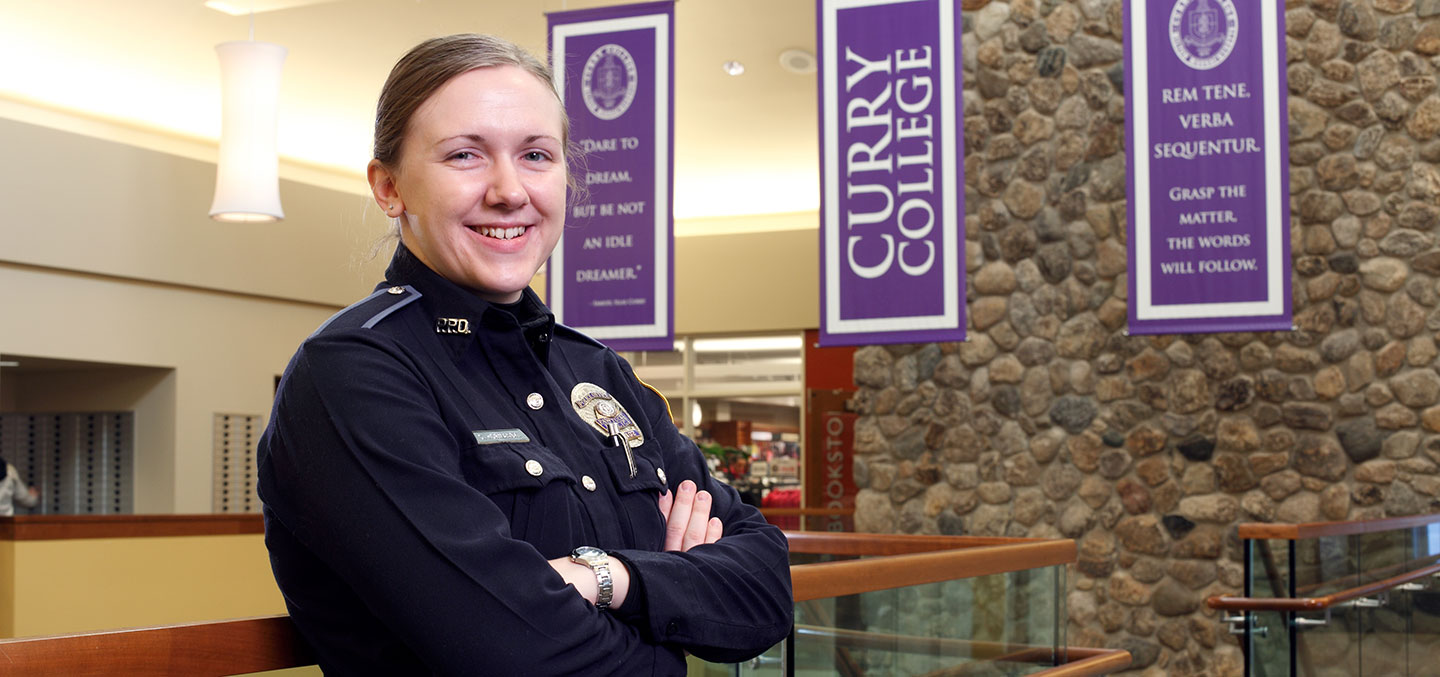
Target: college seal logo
(609, 81)
(1204, 32)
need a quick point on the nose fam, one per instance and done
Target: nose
(506, 190)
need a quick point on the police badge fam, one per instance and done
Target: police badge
(599, 409)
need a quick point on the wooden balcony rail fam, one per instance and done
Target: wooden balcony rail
(1369, 574)
(929, 564)
(272, 642)
(210, 648)
(1295, 532)
(1228, 603)
(62, 527)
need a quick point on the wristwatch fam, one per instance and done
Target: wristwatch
(599, 562)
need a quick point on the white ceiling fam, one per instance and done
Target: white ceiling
(743, 145)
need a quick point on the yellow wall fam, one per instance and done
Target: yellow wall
(64, 586)
(7, 589)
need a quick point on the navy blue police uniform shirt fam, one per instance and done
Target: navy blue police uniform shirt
(416, 478)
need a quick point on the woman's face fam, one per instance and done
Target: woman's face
(480, 186)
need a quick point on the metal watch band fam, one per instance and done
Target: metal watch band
(599, 562)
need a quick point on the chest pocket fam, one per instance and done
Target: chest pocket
(639, 495)
(527, 481)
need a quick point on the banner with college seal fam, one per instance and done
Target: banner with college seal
(892, 189)
(1209, 209)
(611, 276)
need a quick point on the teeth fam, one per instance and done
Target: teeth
(501, 233)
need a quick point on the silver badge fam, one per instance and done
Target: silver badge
(597, 408)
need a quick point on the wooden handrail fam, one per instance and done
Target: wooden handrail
(1086, 662)
(269, 643)
(1228, 603)
(1294, 532)
(1375, 573)
(807, 512)
(61, 527)
(853, 544)
(210, 648)
(852, 577)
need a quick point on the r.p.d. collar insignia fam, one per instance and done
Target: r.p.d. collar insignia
(452, 325)
(599, 409)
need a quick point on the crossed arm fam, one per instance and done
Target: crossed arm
(687, 524)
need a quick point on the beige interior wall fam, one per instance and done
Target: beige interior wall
(85, 204)
(747, 282)
(110, 257)
(225, 351)
(146, 391)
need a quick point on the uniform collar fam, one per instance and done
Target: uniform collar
(448, 300)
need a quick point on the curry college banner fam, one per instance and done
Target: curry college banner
(892, 193)
(1209, 210)
(611, 276)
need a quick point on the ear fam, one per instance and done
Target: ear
(382, 186)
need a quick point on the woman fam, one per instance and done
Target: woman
(455, 484)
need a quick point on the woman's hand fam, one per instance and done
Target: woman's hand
(687, 518)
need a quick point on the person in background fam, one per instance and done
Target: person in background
(453, 483)
(14, 490)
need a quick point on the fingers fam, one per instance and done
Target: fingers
(714, 530)
(699, 521)
(666, 500)
(679, 516)
(687, 518)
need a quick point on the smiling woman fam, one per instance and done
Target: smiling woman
(454, 483)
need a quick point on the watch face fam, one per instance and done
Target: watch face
(587, 552)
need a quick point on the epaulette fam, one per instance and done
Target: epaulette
(369, 311)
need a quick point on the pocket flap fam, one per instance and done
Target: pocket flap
(507, 467)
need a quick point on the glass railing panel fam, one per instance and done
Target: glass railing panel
(1382, 619)
(1327, 647)
(1422, 650)
(1269, 630)
(1007, 621)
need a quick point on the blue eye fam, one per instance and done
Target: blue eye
(536, 156)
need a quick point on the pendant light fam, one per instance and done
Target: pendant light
(247, 179)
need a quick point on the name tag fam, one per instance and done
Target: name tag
(506, 436)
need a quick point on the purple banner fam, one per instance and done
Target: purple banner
(1209, 211)
(892, 188)
(612, 273)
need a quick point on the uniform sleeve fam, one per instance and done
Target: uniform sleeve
(360, 467)
(727, 601)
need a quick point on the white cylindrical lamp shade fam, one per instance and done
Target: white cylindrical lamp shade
(247, 178)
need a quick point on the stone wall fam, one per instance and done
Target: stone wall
(1051, 421)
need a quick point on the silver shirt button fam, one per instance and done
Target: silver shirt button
(588, 482)
(535, 401)
(395, 290)
(660, 472)
(533, 467)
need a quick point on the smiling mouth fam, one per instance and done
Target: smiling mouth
(499, 232)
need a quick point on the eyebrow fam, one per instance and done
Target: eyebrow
(479, 139)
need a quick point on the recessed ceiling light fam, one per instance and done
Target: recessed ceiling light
(733, 67)
(797, 61)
